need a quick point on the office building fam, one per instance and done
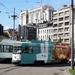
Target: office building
(27, 32)
(62, 24)
(36, 15)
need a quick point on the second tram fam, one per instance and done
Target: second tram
(6, 49)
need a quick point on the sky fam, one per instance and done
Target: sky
(7, 9)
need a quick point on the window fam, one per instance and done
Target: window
(60, 30)
(55, 25)
(55, 40)
(61, 13)
(31, 50)
(60, 24)
(66, 29)
(8, 48)
(67, 18)
(45, 37)
(60, 35)
(66, 23)
(55, 35)
(55, 15)
(60, 19)
(66, 34)
(67, 12)
(25, 49)
(27, 18)
(55, 20)
(43, 31)
(1, 48)
(55, 30)
(66, 40)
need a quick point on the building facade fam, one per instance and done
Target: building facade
(39, 16)
(11, 34)
(36, 15)
(27, 32)
(45, 31)
(62, 24)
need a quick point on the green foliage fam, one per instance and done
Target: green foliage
(59, 40)
(70, 41)
(72, 71)
(49, 39)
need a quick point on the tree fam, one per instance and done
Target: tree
(70, 41)
(49, 39)
(59, 40)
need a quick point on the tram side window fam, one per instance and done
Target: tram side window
(25, 49)
(6, 48)
(10, 48)
(31, 50)
(1, 48)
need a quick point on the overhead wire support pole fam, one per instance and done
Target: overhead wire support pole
(14, 17)
(72, 49)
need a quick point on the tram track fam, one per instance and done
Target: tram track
(11, 68)
(7, 69)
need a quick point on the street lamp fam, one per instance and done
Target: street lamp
(72, 49)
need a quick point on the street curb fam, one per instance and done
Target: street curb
(66, 72)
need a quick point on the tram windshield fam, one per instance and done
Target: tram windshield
(17, 49)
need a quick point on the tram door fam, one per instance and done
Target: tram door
(27, 56)
(24, 56)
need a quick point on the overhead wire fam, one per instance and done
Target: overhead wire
(15, 2)
(26, 1)
(5, 7)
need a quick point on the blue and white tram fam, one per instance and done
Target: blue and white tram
(34, 52)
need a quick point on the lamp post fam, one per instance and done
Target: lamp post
(72, 49)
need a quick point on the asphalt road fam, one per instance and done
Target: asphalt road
(47, 69)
